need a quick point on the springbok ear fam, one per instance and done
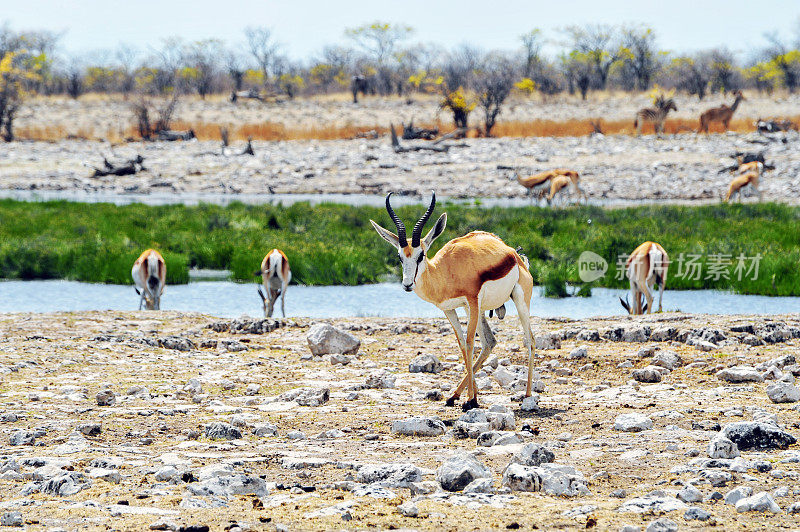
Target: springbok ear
(386, 235)
(437, 230)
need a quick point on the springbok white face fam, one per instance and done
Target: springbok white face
(413, 257)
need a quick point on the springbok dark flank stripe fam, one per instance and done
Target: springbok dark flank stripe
(499, 270)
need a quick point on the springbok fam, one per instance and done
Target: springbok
(537, 183)
(722, 114)
(749, 177)
(646, 267)
(556, 184)
(149, 274)
(657, 115)
(477, 271)
(275, 275)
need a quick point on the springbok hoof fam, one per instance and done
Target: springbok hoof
(451, 401)
(469, 405)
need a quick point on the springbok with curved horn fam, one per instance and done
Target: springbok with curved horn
(477, 271)
(646, 267)
(275, 275)
(149, 274)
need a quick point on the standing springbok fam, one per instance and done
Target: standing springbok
(477, 271)
(149, 274)
(750, 176)
(722, 114)
(537, 183)
(657, 115)
(646, 267)
(275, 275)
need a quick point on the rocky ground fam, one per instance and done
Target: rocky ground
(682, 168)
(163, 420)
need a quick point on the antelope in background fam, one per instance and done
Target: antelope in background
(646, 267)
(722, 114)
(750, 176)
(149, 274)
(477, 271)
(537, 183)
(275, 275)
(657, 115)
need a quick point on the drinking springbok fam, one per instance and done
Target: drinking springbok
(477, 271)
(646, 267)
(657, 115)
(537, 183)
(149, 274)
(722, 114)
(275, 275)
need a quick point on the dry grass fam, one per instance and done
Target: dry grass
(270, 131)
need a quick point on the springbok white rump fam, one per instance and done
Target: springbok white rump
(477, 271)
(149, 274)
(646, 267)
(275, 275)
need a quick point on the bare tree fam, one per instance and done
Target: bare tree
(263, 49)
(380, 41)
(596, 43)
(724, 74)
(532, 45)
(126, 57)
(579, 71)
(493, 84)
(169, 59)
(692, 74)
(202, 64)
(639, 57)
(235, 66)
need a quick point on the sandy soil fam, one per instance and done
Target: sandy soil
(97, 115)
(52, 366)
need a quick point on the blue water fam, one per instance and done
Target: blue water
(228, 299)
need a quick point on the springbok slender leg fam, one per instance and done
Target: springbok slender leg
(518, 297)
(453, 318)
(487, 344)
(472, 326)
(661, 289)
(283, 297)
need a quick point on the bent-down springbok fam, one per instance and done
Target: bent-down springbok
(477, 271)
(275, 275)
(149, 274)
(537, 183)
(749, 177)
(646, 267)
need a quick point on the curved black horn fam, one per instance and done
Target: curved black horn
(415, 234)
(401, 229)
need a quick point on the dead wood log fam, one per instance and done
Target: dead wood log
(419, 147)
(459, 133)
(248, 150)
(410, 132)
(169, 135)
(251, 94)
(128, 167)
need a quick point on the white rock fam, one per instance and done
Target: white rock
(458, 471)
(633, 422)
(783, 392)
(419, 426)
(760, 502)
(530, 404)
(722, 447)
(737, 494)
(739, 374)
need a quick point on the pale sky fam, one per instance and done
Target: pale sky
(304, 27)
